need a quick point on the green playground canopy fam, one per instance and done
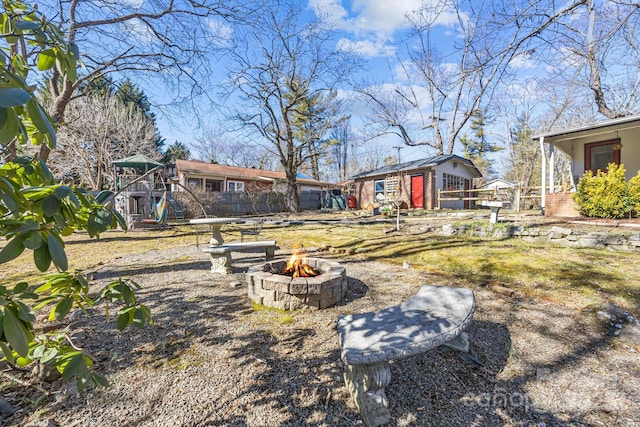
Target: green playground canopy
(137, 161)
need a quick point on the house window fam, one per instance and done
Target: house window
(213, 185)
(598, 155)
(378, 189)
(237, 186)
(194, 183)
(452, 182)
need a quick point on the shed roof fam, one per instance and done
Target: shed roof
(419, 164)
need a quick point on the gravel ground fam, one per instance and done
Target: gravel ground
(212, 359)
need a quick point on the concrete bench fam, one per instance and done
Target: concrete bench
(435, 316)
(221, 254)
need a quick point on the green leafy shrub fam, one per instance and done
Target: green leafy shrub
(36, 212)
(605, 194)
(634, 193)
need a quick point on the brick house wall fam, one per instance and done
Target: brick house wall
(561, 205)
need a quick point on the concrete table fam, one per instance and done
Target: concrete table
(215, 224)
(495, 206)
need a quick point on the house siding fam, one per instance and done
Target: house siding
(431, 170)
(629, 154)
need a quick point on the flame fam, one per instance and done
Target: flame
(297, 266)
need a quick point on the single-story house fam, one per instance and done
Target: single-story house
(499, 184)
(415, 184)
(590, 147)
(211, 177)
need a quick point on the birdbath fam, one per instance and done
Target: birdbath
(495, 206)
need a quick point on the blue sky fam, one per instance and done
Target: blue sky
(376, 30)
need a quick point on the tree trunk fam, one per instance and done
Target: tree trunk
(293, 198)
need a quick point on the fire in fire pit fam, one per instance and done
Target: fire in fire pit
(297, 266)
(269, 285)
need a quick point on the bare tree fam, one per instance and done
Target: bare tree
(441, 90)
(163, 38)
(100, 129)
(597, 50)
(234, 149)
(285, 58)
(342, 143)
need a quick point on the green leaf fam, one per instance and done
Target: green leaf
(49, 355)
(16, 332)
(8, 354)
(25, 313)
(56, 250)
(99, 222)
(51, 205)
(103, 196)
(13, 97)
(125, 318)
(67, 231)
(46, 59)
(42, 258)
(12, 250)
(45, 173)
(75, 368)
(26, 25)
(40, 119)
(23, 361)
(99, 379)
(20, 287)
(139, 318)
(38, 351)
(63, 308)
(62, 191)
(9, 128)
(120, 220)
(10, 202)
(33, 240)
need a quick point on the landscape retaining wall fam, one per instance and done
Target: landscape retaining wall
(559, 235)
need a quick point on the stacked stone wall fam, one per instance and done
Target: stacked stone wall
(559, 235)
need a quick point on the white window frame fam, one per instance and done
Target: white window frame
(237, 186)
(376, 192)
(452, 182)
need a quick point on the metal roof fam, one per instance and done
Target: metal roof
(590, 127)
(417, 164)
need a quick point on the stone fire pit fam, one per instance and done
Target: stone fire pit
(291, 293)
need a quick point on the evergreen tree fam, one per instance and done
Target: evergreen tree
(176, 151)
(476, 147)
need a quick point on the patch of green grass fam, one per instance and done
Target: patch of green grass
(571, 275)
(272, 315)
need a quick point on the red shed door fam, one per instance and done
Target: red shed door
(417, 191)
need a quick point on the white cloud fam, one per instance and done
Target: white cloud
(382, 16)
(136, 4)
(373, 22)
(374, 16)
(368, 48)
(220, 32)
(522, 62)
(139, 31)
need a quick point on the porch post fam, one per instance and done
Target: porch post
(543, 197)
(552, 169)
